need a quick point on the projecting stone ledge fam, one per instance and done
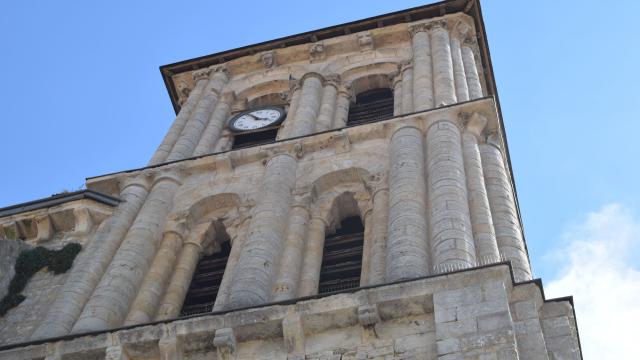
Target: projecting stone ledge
(472, 312)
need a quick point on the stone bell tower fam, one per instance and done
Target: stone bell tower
(344, 193)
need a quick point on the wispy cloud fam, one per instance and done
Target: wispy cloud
(599, 266)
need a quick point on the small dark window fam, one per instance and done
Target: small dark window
(372, 105)
(205, 282)
(255, 138)
(342, 257)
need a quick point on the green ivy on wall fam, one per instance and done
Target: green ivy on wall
(29, 262)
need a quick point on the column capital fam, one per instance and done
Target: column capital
(417, 28)
(474, 123)
(437, 24)
(471, 40)
(228, 97)
(405, 65)
(345, 91)
(173, 175)
(222, 69)
(395, 78)
(493, 139)
(332, 80)
(201, 74)
(311, 75)
(176, 224)
(461, 30)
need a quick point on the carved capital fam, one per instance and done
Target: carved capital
(417, 28)
(365, 41)
(202, 74)
(471, 41)
(332, 80)
(228, 97)
(176, 224)
(462, 30)
(268, 59)
(317, 52)
(311, 75)
(474, 123)
(222, 69)
(405, 65)
(437, 24)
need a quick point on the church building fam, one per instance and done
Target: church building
(340, 194)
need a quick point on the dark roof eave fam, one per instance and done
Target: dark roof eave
(408, 15)
(58, 199)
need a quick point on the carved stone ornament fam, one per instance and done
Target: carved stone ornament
(333, 80)
(462, 29)
(316, 52)
(268, 59)
(438, 24)
(365, 41)
(201, 74)
(183, 89)
(416, 28)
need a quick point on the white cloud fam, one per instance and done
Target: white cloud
(599, 266)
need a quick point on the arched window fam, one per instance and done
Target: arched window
(371, 105)
(342, 257)
(206, 282)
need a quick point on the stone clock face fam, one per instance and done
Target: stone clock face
(256, 119)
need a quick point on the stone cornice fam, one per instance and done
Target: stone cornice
(362, 34)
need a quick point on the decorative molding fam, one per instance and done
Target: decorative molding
(269, 59)
(365, 41)
(332, 80)
(437, 24)
(202, 74)
(417, 28)
(317, 52)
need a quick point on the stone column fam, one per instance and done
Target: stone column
(180, 281)
(294, 100)
(259, 261)
(230, 269)
(111, 299)
(407, 255)
(153, 287)
(308, 106)
(216, 124)
(443, 82)
(310, 273)
(481, 221)
(195, 126)
(503, 209)
(396, 84)
(378, 224)
(201, 78)
(92, 262)
(451, 238)
(422, 71)
(470, 69)
(286, 286)
(328, 104)
(407, 88)
(342, 107)
(462, 90)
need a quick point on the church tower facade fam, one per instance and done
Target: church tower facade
(344, 193)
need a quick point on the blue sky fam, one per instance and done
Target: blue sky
(82, 95)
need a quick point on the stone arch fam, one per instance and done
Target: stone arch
(271, 92)
(340, 194)
(215, 214)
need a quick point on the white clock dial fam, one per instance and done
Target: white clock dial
(256, 119)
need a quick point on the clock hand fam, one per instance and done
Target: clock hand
(254, 117)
